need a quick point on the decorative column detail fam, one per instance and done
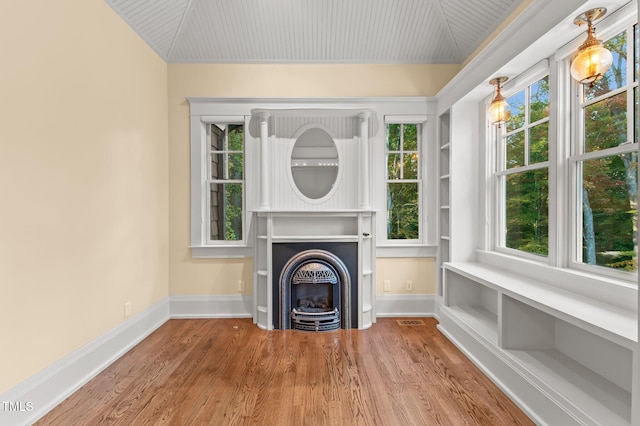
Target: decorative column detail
(365, 203)
(265, 188)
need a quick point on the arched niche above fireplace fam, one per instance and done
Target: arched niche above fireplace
(315, 163)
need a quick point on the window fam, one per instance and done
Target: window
(225, 182)
(604, 162)
(523, 173)
(403, 181)
(566, 161)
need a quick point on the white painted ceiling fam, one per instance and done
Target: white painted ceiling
(314, 31)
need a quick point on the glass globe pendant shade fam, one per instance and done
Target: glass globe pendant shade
(593, 59)
(591, 64)
(499, 111)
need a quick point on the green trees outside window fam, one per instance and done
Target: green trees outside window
(600, 172)
(403, 181)
(607, 162)
(525, 174)
(527, 218)
(226, 182)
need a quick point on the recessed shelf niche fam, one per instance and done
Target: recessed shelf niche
(579, 365)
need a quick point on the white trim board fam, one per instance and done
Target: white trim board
(211, 306)
(55, 383)
(239, 306)
(405, 305)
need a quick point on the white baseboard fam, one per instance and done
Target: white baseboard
(241, 306)
(211, 306)
(36, 396)
(405, 305)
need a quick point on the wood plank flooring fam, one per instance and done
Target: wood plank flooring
(230, 372)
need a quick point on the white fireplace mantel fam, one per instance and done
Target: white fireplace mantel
(335, 226)
(285, 215)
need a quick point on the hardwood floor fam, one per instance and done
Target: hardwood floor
(230, 372)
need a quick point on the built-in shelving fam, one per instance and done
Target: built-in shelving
(444, 168)
(568, 357)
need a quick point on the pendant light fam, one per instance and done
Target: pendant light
(499, 109)
(593, 59)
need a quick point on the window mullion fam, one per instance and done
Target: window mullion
(527, 125)
(616, 150)
(401, 151)
(527, 168)
(630, 87)
(225, 153)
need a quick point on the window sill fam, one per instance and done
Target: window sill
(221, 252)
(619, 293)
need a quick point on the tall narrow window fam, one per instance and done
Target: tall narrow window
(524, 171)
(403, 181)
(226, 182)
(605, 161)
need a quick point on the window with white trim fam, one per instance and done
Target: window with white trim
(523, 174)
(403, 181)
(225, 182)
(566, 164)
(604, 163)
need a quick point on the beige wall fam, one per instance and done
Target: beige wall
(83, 179)
(421, 272)
(188, 276)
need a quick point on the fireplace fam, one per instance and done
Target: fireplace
(314, 194)
(314, 285)
(311, 282)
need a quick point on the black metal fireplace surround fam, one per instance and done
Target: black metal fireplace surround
(347, 253)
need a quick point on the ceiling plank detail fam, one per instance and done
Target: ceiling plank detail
(314, 31)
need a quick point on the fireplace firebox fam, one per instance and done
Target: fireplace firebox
(314, 290)
(314, 287)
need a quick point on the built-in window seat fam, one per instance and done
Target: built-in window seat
(565, 358)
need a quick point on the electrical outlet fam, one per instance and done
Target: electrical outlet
(387, 285)
(409, 285)
(240, 286)
(127, 309)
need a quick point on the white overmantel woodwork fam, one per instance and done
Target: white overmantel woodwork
(264, 159)
(286, 215)
(349, 129)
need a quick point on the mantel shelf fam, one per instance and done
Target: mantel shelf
(281, 238)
